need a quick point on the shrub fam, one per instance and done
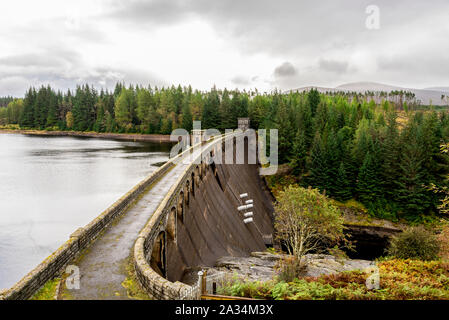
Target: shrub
(290, 269)
(399, 280)
(415, 243)
(305, 220)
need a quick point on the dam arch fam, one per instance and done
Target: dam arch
(171, 224)
(158, 255)
(187, 193)
(180, 208)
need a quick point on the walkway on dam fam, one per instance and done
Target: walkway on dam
(103, 266)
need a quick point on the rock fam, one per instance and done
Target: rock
(3, 293)
(260, 266)
(318, 265)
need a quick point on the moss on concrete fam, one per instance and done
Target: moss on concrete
(132, 284)
(48, 291)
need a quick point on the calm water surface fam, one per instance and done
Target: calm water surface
(50, 186)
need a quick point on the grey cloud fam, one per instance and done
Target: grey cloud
(273, 26)
(241, 81)
(157, 12)
(63, 69)
(285, 70)
(333, 65)
(291, 30)
(303, 30)
(47, 58)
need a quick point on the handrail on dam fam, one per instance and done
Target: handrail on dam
(84, 237)
(164, 220)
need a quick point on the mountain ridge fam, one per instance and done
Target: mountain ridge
(425, 96)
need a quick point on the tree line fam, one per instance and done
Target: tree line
(360, 150)
(126, 109)
(347, 147)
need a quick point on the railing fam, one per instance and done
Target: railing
(208, 286)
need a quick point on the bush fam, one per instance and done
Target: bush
(305, 220)
(415, 243)
(290, 269)
(399, 280)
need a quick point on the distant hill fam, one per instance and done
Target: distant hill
(445, 89)
(425, 96)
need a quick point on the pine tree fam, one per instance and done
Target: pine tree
(122, 109)
(299, 154)
(343, 189)
(285, 132)
(390, 157)
(411, 194)
(52, 110)
(318, 167)
(187, 120)
(27, 117)
(332, 162)
(211, 116)
(314, 100)
(144, 108)
(226, 115)
(368, 184)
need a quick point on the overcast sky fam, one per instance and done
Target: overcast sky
(243, 43)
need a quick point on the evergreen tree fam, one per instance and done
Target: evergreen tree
(368, 184)
(390, 156)
(343, 189)
(187, 120)
(318, 167)
(122, 109)
(285, 133)
(411, 194)
(27, 117)
(144, 108)
(313, 100)
(299, 154)
(211, 116)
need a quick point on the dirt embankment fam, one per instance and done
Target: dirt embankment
(160, 138)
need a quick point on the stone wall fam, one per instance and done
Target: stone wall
(155, 284)
(197, 221)
(81, 239)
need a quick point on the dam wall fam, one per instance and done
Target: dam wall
(198, 222)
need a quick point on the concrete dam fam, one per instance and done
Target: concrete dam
(180, 218)
(208, 224)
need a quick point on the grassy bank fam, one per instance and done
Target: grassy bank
(159, 138)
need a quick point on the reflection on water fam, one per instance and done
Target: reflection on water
(50, 186)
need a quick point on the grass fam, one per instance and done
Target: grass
(132, 284)
(48, 291)
(399, 280)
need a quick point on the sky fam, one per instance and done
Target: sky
(228, 43)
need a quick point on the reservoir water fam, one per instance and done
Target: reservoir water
(51, 186)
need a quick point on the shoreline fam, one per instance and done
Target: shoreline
(159, 138)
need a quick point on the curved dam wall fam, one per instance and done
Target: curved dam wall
(212, 227)
(198, 222)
